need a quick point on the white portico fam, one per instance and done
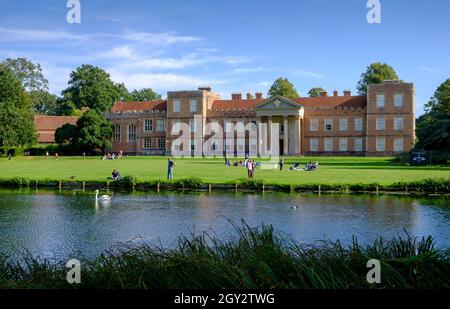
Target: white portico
(288, 115)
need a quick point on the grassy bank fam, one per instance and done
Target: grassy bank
(258, 258)
(335, 174)
(426, 186)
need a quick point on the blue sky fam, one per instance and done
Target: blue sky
(232, 45)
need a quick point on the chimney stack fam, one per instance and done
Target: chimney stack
(323, 94)
(204, 88)
(249, 96)
(347, 93)
(259, 95)
(335, 93)
(236, 96)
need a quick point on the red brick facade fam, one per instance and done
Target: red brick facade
(379, 124)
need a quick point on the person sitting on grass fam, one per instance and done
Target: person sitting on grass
(115, 175)
(308, 166)
(315, 166)
(228, 163)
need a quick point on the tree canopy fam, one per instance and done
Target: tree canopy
(145, 94)
(67, 134)
(283, 87)
(43, 102)
(433, 128)
(34, 83)
(315, 92)
(92, 87)
(92, 132)
(28, 73)
(375, 73)
(16, 120)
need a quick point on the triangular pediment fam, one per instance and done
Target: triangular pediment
(279, 102)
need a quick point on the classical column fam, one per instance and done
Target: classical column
(298, 137)
(269, 134)
(258, 136)
(286, 135)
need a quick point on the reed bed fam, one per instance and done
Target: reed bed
(255, 258)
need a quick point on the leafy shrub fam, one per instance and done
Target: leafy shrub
(250, 184)
(427, 185)
(15, 182)
(127, 182)
(192, 182)
(403, 157)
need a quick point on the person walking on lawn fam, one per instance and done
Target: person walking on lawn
(170, 165)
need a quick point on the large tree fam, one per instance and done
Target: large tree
(284, 88)
(33, 81)
(67, 134)
(375, 73)
(146, 94)
(315, 92)
(28, 73)
(16, 119)
(64, 107)
(94, 132)
(433, 128)
(92, 87)
(43, 102)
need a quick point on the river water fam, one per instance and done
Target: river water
(72, 224)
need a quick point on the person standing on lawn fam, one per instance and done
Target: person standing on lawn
(281, 164)
(170, 165)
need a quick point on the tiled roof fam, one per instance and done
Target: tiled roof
(332, 101)
(235, 107)
(47, 125)
(236, 104)
(51, 123)
(46, 136)
(139, 106)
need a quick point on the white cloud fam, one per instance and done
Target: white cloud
(165, 38)
(308, 74)
(429, 70)
(263, 84)
(248, 70)
(159, 39)
(167, 81)
(124, 51)
(25, 35)
(168, 63)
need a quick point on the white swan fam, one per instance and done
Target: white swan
(101, 198)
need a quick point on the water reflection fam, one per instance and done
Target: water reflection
(72, 223)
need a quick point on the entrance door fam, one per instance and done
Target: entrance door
(281, 147)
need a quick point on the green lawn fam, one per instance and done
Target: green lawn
(335, 170)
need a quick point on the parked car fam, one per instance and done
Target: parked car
(418, 159)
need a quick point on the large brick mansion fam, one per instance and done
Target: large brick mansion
(379, 124)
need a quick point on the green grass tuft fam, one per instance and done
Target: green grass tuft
(256, 258)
